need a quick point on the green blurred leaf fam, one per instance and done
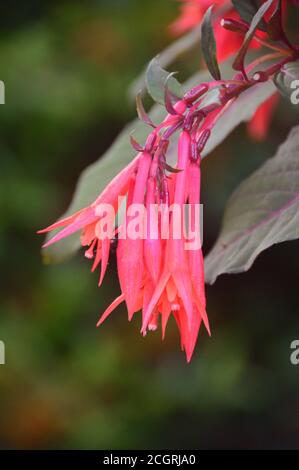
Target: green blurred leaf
(241, 110)
(156, 78)
(263, 211)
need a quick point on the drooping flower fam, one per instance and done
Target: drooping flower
(158, 275)
(89, 220)
(169, 278)
(180, 287)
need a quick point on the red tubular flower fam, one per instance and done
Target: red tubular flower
(195, 256)
(89, 220)
(158, 276)
(159, 260)
(177, 290)
(130, 260)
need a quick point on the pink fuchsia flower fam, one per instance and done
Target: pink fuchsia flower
(88, 220)
(157, 276)
(180, 288)
(167, 279)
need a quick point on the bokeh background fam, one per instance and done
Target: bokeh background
(67, 67)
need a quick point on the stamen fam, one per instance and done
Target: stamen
(153, 324)
(89, 253)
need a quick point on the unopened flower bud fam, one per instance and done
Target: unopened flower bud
(237, 26)
(260, 77)
(195, 93)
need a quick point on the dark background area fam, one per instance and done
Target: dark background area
(67, 67)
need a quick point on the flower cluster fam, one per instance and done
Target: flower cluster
(158, 275)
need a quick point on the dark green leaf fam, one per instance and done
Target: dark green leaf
(274, 25)
(208, 45)
(263, 211)
(255, 23)
(247, 9)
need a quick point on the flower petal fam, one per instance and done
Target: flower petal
(110, 309)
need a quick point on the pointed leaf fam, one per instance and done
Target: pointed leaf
(247, 9)
(156, 77)
(274, 25)
(255, 23)
(208, 44)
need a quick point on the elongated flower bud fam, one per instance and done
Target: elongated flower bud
(237, 26)
(130, 249)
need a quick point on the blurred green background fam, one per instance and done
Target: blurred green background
(67, 67)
